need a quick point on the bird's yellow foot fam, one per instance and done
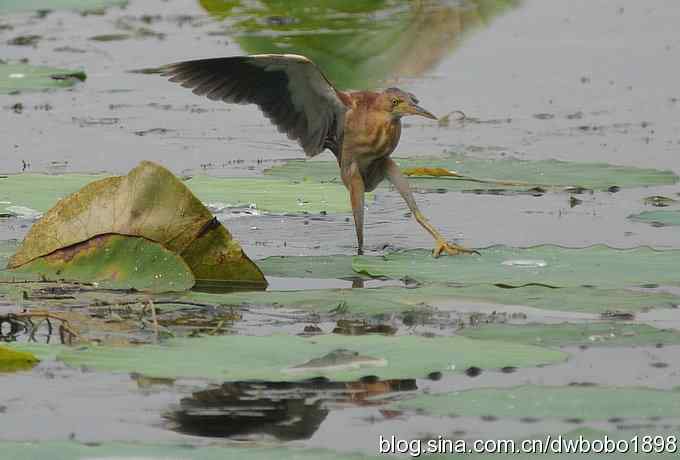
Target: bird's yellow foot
(442, 246)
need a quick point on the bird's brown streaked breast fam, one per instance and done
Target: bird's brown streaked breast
(368, 138)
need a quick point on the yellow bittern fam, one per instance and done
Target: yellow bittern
(361, 128)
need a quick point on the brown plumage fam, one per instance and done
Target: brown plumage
(361, 128)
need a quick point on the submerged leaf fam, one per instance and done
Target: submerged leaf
(115, 262)
(358, 44)
(25, 77)
(238, 357)
(150, 202)
(599, 266)
(585, 403)
(13, 360)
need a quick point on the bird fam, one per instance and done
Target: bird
(361, 128)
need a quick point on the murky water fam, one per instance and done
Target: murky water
(538, 79)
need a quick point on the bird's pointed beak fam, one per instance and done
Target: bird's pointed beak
(418, 110)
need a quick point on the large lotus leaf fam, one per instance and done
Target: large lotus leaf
(499, 173)
(286, 358)
(361, 43)
(25, 77)
(397, 299)
(41, 191)
(13, 360)
(149, 202)
(556, 335)
(216, 256)
(70, 450)
(8, 6)
(659, 218)
(115, 262)
(337, 266)
(577, 402)
(599, 266)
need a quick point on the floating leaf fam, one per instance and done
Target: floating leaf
(320, 267)
(115, 262)
(468, 172)
(41, 191)
(237, 357)
(9, 6)
(380, 300)
(658, 218)
(13, 360)
(556, 335)
(70, 450)
(577, 402)
(149, 202)
(271, 195)
(599, 265)
(24, 77)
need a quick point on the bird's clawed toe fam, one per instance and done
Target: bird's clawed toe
(442, 246)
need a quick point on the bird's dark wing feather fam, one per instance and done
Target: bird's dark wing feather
(291, 91)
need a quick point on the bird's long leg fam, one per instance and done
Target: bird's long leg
(355, 183)
(400, 182)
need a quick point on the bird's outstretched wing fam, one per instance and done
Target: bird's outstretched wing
(290, 89)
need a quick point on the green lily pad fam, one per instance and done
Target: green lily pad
(13, 360)
(574, 299)
(283, 358)
(476, 173)
(658, 218)
(115, 262)
(69, 450)
(373, 301)
(272, 195)
(585, 403)
(361, 43)
(320, 267)
(10, 6)
(150, 202)
(599, 266)
(40, 192)
(557, 335)
(24, 77)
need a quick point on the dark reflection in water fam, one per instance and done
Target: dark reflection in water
(358, 43)
(283, 410)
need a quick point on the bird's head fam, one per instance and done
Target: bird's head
(400, 103)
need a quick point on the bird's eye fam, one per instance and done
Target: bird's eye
(395, 101)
